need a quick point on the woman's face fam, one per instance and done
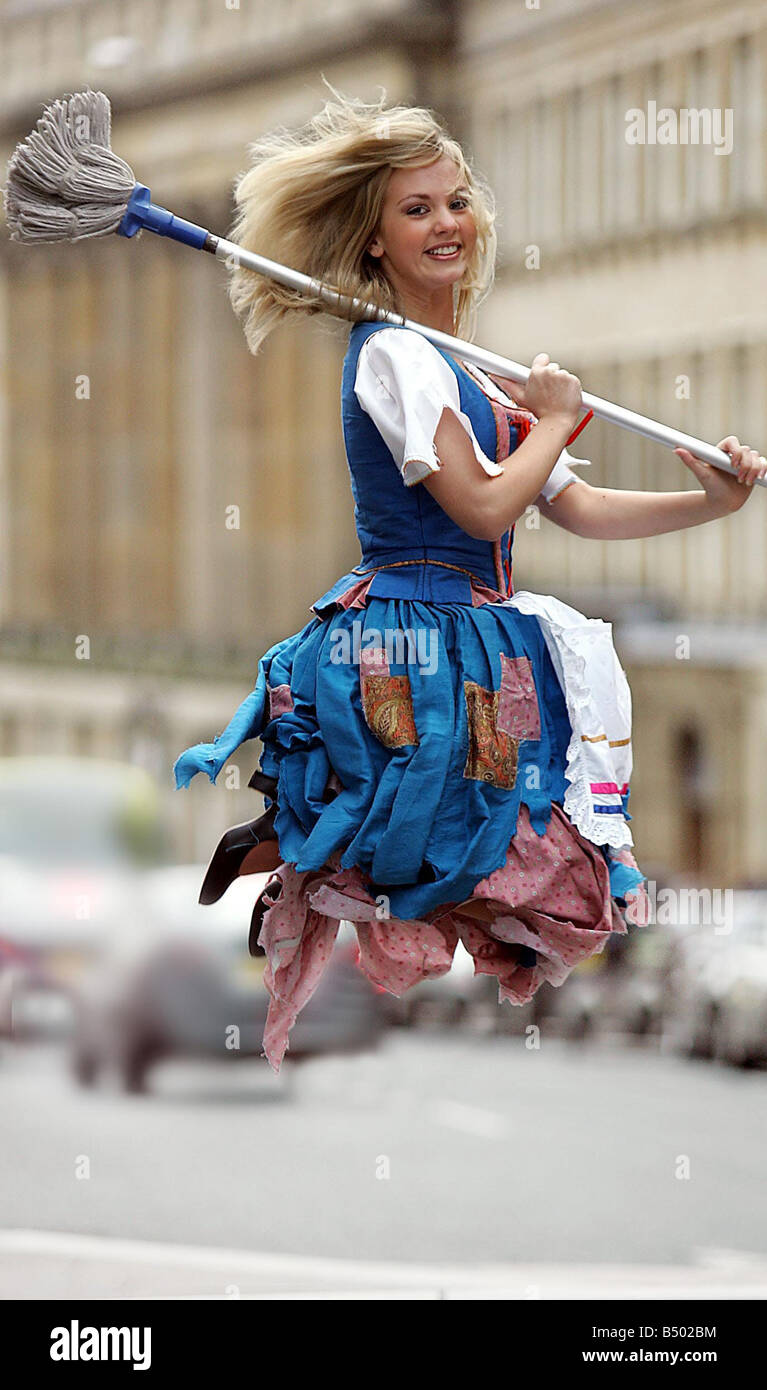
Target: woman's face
(425, 208)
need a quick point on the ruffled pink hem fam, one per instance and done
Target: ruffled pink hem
(561, 869)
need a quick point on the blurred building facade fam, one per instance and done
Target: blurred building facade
(170, 506)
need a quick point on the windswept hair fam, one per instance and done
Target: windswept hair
(312, 200)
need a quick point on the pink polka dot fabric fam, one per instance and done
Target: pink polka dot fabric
(552, 894)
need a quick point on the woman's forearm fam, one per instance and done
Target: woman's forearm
(612, 514)
(507, 496)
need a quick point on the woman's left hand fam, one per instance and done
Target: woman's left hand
(726, 491)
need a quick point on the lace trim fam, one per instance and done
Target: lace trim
(600, 829)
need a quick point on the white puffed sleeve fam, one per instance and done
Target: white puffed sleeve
(562, 475)
(403, 383)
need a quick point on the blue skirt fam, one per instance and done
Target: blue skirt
(405, 735)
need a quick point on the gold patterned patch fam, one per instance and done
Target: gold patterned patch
(492, 755)
(387, 704)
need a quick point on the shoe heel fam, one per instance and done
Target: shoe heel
(231, 852)
(269, 895)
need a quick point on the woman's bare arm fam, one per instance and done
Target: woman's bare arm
(486, 507)
(482, 506)
(611, 514)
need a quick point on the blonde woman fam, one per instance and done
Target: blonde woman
(443, 759)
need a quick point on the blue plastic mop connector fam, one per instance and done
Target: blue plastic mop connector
(142, 212)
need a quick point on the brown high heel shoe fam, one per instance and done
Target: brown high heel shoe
(249, 848)
(269, 895)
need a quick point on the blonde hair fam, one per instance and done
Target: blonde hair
(313, 199)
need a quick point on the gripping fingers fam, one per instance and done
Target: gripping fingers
(755, 466)
(749, 463)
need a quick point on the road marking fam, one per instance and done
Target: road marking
(470, 1119)
(729, 1261)
(327, 1278)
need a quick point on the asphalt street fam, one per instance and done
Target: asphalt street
(437, 1151)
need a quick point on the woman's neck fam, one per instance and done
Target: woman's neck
(439, 316)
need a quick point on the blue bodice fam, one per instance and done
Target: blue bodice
(397, 524)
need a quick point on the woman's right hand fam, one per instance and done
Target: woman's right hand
(550, 391)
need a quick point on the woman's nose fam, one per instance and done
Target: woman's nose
(446, 222)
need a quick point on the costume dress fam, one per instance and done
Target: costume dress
(450, 759)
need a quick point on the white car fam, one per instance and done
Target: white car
(719, 989)
(76, 836)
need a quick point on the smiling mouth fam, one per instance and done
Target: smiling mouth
(437, 254)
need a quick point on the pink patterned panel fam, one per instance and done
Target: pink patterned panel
(280, 700)
(374, 661)
(518, 710)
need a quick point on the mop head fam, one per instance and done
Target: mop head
(64, 182)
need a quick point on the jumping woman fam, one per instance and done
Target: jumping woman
(443, 758)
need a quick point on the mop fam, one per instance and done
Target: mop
(65, 183)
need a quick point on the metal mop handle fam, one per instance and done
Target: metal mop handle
(65, 183)
(490, 361)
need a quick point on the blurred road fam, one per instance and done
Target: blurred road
(445, 1154)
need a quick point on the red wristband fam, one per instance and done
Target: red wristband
(588, 416)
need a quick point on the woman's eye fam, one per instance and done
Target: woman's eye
(418, 206)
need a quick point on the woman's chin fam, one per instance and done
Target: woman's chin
(457, 266)
(449, 274)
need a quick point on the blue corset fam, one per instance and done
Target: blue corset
(418, 551)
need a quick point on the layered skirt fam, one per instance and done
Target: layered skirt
(443, 772)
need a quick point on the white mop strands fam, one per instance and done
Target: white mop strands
(64, 182)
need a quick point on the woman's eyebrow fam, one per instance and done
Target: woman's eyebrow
(461, 189)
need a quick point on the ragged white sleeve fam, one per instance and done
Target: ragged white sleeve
(403, 383)
(562, 475)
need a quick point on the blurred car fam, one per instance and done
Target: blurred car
(75, 836)
(183, 984)
(718, 1005)
(622, 989)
